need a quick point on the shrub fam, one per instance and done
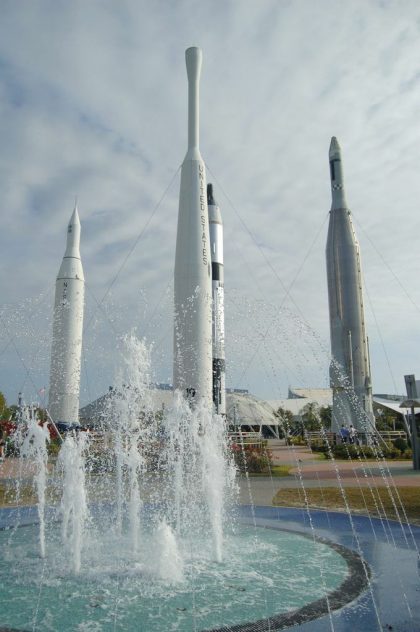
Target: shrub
(392, 453)
(54, 447)
(346, 451)
(343, 451)
(297, 440)
(319, 448)
(401, 444)
(11, 448)
(252, 458)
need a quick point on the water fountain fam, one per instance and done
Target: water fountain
(159, 545)
(153, 538)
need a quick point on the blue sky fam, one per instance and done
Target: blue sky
(93, 105)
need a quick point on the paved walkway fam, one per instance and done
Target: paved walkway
(306, 468)
(16, 468)
(313, 472)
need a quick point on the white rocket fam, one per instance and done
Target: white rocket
(67, 331)
(192, 279)
(218, 296)
(350, 366)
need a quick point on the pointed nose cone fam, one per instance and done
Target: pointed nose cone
(335, 149)
(74, 219)
(336, 174)
(73, 236)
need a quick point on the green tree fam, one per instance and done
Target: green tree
(2, 402)
(42, 414)
(285, 418)
(387, 419)
(3, 407)
(11, 412)
(325, 413)
(311, 416)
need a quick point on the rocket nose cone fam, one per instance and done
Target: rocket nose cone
(73, 235)
(334, 147)
(74, 219)
(193, 59)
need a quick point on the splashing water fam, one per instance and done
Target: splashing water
(170, 476)
(203, 473)
(170, 566)
(165, 516)
(35, 447)
(74, 504)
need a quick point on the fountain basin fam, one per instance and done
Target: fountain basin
(270, 578)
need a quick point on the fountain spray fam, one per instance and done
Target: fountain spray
(35, 448)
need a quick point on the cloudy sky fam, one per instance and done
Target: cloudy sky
(93, 105)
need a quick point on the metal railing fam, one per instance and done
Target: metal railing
(246, 438)
(391, 435)
(362, 437)
(318, 436)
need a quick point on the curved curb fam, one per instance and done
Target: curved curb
(352, 587)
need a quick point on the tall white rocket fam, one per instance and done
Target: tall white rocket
(192, 278)
(350, 366)
(67, 331)
(218, 296)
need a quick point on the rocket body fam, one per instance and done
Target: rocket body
(192, 278)
(350, 367)
(67, 331)
(218, 307)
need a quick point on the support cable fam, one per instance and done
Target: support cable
(384, 261)
(130, 252)
(286, 290)
(380, 337)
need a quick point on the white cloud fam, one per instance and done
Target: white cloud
(93, 104)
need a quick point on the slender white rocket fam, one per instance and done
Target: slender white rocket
(349, 347)
(192, 278)
(218, 296)
(67, 331)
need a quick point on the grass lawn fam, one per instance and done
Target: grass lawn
(376, 503)
(27, 495)
(276, 470)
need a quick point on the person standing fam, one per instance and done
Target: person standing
(344, 433)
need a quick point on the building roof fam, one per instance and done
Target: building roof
(246, 409)
(394, 405)
(96, 413)
(241, 406)
(300, 397)
(322, 396)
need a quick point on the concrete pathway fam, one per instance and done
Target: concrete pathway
(306, 467)
(17, 468)
(313, 472)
